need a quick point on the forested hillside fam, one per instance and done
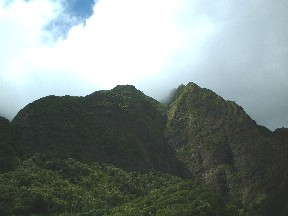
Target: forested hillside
(120, 152)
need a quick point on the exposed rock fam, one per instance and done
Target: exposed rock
(218, 142)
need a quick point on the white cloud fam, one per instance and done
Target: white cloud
(22, 25)
(123, 42)
(230, 47)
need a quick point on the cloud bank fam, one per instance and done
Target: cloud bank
(236, 48)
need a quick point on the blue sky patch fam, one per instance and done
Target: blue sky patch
(74, 13)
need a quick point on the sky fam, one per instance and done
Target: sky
(238, 49)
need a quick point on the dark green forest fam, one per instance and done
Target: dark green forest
(120, 152)
(41, 186)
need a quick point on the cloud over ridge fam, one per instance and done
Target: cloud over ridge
(236, 48)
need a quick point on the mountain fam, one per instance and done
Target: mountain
(219, 143)
(197, 135)
(122, 127)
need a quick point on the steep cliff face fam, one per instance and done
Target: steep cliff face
(122, 127)
(218, 142)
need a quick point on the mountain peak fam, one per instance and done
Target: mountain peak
(125, 88)
(119, 91)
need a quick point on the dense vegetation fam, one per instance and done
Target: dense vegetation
(122, 127)
(41, 186)
(120, 152)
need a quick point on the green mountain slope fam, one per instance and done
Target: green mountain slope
(122, 127)
(219, 143)
(59, 155)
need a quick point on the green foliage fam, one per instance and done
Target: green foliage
(180, 198)
(40, 187)
(116, 127)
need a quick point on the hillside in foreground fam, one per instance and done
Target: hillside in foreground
(120, 152)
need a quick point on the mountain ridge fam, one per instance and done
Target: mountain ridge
(197, 135)
(219, 142)
(100, 127)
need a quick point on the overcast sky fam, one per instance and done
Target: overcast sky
(238, 49)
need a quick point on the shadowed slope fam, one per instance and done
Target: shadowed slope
(122, 127)
(5, 148)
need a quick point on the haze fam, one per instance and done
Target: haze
(239, 49)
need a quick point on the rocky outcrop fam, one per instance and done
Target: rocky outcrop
(219, 143)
